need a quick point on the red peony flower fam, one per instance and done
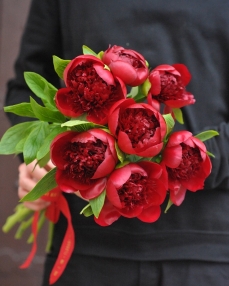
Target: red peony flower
(139, 128)
(90, 88)
(126, 64)
(187, 164)
(168, 86)
(83, 161)
(135, 190)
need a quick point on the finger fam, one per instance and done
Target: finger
(35, 171)
(36, 206)
(49, 166)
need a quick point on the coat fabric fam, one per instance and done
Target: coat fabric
(195, 33)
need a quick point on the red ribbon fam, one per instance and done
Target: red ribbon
(34, 247)
(58, 205)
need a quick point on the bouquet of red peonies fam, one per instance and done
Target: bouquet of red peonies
(109, 133)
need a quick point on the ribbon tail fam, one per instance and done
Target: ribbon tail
(67, 244)
(29, 259)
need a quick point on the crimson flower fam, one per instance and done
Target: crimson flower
(139, 128)
(135, 190)
(187, 164)
(168, 86)
(83, 161)
(90, 89)
(126, 64)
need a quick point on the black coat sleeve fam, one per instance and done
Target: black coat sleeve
(41, 40)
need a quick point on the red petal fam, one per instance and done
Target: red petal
(155, 81)
(94, 190)
(105, 74)
(172, 156)
(108, 215)
(184, 72)
(150, 214)
(177, 196)
(63, 105)
(57, 147)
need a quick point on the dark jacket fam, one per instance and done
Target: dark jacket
(195, 33)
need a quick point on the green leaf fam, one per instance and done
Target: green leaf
(60, 65)
(169, 122)
(20, 146)
(178, 115)
(210, 154)
(97, 203)
(14, 135)
(120, 154)
(21, 109)
(46, 184)
(203, 136)
(45, 114)
(34, 141)
(81, 125)
(169, 204)
(88, 51)
(87, 211)
(45, 147)
(146, 87)
(40, 87)
(44, 160)
(136, 94)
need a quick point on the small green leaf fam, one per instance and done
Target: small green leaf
(46, 184)
(87, 211)
(21, 109)
(34, 141)
(100, 55)
(210, 154)
(203, 136)
(88, 51)
(40, 87)
(146, 87)
(97, 203)
(178, 115)
(45, 147)
(169, 204)
(14, 135)
(133, 158)
(45, 114)
(169, 122)
(60, 65)
(44, 160)
(120, 154)
(20, 146)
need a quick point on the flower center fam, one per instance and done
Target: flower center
(90, 92)
(134, 192)
(83, 159)
(172, 88)
(139, 124)
(189, 166)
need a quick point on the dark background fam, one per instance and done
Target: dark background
(13, 14)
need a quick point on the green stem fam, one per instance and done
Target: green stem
(21, 212)
(50, 236)
(23, 226)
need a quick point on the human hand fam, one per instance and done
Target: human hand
(29, 175)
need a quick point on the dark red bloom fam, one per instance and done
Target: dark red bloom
(139, 128)
(135, 190)
(90, 89)
(83, 161)
(187, 163)
(168, 86)
(126, 64)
